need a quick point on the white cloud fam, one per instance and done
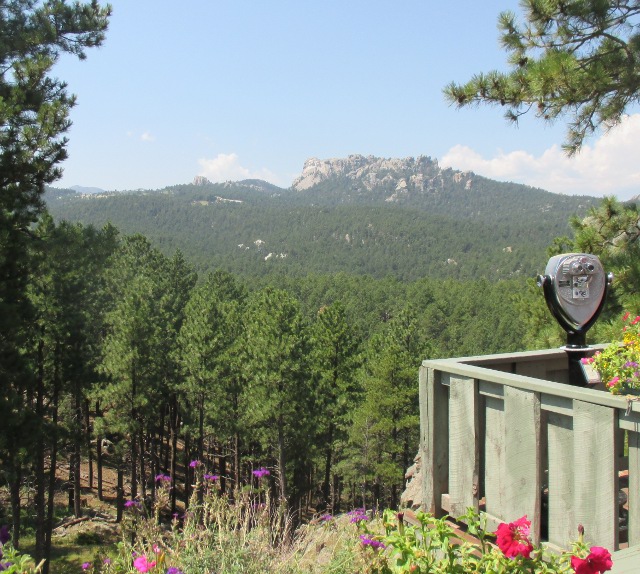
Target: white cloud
(609, 166)
(226, 167)
(147, 137)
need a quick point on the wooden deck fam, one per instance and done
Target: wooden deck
(504, 435)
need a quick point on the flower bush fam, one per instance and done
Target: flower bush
(434, 547)
(619, 363)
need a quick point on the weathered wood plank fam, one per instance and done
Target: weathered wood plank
(563, 528)
(595, 472)
(556, 404)
(491, 389)
(532, 369)
(626, 561)
(464, 459)
(523, 457)
(634, 490)
(434, 439)
(494, 457)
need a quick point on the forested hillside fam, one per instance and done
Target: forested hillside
(239, 326)
(467, 227)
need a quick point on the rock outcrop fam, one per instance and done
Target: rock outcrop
(412, 495)
(398, 178)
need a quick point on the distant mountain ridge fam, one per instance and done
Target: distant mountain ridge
(420, 183)
(402, 175)
(361, 214)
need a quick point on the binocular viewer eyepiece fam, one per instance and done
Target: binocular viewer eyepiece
(575, 288)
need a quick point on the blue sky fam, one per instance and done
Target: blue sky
(240, 89)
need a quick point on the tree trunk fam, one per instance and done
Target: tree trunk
(52, 467)
(99, 455)
(187, 468)
(133, 437)
(236, 461)
(77, 454)
(174, 421)
(143, 474)
(326, 485)
(15, 504)
(282, 462)
(87, 430)
(335, 495)
(120, 492)
(39, 463)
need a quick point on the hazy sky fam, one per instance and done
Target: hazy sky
(240, 89)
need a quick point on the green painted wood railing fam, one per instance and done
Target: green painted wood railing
(505, 434)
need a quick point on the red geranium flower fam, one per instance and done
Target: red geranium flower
(598, 561)
(513, 538)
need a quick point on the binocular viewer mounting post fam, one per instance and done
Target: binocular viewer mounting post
(575, 287)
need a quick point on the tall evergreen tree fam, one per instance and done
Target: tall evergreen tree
(34, 115)
(133, 348)
(208, 346)
(279, 396)
(385, 427)
(336, 360)
(65, 293)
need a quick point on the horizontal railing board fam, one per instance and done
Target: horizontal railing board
(457, 368)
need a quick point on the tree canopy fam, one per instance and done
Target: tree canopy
(576, 58)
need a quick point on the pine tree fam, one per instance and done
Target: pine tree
(575, 57)
(336, 360)
(279, 397)
(208, 346)
(34, 115)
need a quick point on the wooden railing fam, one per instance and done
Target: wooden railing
(505, 435)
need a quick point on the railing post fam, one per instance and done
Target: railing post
(634, 487)
(523, 456)
(464, 457)
(595, 472)
(434, 440)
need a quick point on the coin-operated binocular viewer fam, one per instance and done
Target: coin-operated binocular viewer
(575, 288)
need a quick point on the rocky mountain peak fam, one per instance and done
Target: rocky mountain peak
(396, 176)
(200, 180)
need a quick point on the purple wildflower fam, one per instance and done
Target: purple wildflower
(106, 561)
(211, 477)
(631, 364)
(131, 503)
(326, 517)
(5, 566)
(259, 473)
(5, 536)
(375, 544)
(194, 463)
(163, 478)
(174, 570)
(86, 565)
(358, 515)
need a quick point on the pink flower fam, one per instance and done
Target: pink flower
(141, 564)
(636, 320)
(613, 382)
(513, 538)
(626, 316)
(586, 360)
(598, 561)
